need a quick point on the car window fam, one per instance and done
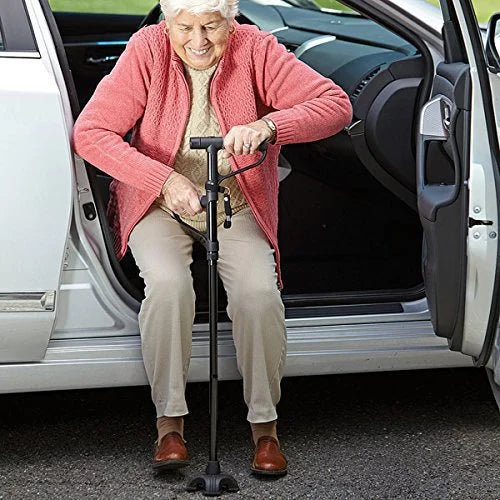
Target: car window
(483, 8)
(138, 7)
(317, 4)
(332, 4)
(16, 35)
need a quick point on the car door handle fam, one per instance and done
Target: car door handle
(101, 60)
(446, 112)
(436, 122)
(434, 116)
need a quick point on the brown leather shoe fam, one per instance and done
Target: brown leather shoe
(268, 459)
(170, 452)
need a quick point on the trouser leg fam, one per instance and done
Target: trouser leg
(248, 271)
(163, 253)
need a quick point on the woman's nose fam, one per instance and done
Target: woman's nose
(199, 38)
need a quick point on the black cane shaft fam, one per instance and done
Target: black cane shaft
(213, 392)
(212, 257)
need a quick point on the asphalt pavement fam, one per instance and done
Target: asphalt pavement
(420, 434)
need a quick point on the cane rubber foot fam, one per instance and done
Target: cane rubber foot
(213, 483)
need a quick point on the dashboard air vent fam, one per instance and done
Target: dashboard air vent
(361, 85)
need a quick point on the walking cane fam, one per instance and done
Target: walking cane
(213, 482)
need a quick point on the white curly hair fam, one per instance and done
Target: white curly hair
(227, 8)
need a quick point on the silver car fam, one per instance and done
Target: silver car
(388, 230)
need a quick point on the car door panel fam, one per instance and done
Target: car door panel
(443, 206)
(442, 198)
(93, 42)
(36, 186)
(457, 186)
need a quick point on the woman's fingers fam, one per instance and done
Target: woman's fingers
(229, 143)
(246, 139)
(182, 196)
(195, 205)
(254, 145)
(189, 207)
(238, 145)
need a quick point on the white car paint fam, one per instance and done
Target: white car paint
(36, 223)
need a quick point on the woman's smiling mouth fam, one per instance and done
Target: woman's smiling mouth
(198, 53)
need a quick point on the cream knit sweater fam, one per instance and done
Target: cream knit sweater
(192, 163)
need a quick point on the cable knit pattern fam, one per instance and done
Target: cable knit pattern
(192, 163)
(147, 92)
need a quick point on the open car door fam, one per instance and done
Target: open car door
(458, 189)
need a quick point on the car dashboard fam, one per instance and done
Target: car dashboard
(380, 71)
(347, 48)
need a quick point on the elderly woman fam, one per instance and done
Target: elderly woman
(200, 73)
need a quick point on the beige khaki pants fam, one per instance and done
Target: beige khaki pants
(162, 251)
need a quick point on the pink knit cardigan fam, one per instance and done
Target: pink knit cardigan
(147, 92)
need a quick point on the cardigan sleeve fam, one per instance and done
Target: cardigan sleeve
(117, 104)
(308, 106)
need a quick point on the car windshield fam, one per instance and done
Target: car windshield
(325, 5)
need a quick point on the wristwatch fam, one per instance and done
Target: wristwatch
(272, 127)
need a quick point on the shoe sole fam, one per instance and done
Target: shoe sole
(272, 473)
(170, 465)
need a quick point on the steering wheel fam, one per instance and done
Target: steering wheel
(151, 17)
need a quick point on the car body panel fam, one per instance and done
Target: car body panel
(342, 348)
(36, 192)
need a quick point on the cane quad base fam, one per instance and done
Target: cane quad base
(213, 483)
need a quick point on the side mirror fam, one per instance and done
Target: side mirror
(493, 43)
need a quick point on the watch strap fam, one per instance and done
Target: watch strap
(271, 126)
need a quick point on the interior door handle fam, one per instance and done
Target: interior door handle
(433, 117)
(446, 112)
(435, 125)
(101, 60)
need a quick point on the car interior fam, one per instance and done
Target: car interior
(349, 231)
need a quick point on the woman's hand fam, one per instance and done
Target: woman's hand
(181, 195)
(245, 139)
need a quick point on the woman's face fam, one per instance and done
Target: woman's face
(200, 40)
